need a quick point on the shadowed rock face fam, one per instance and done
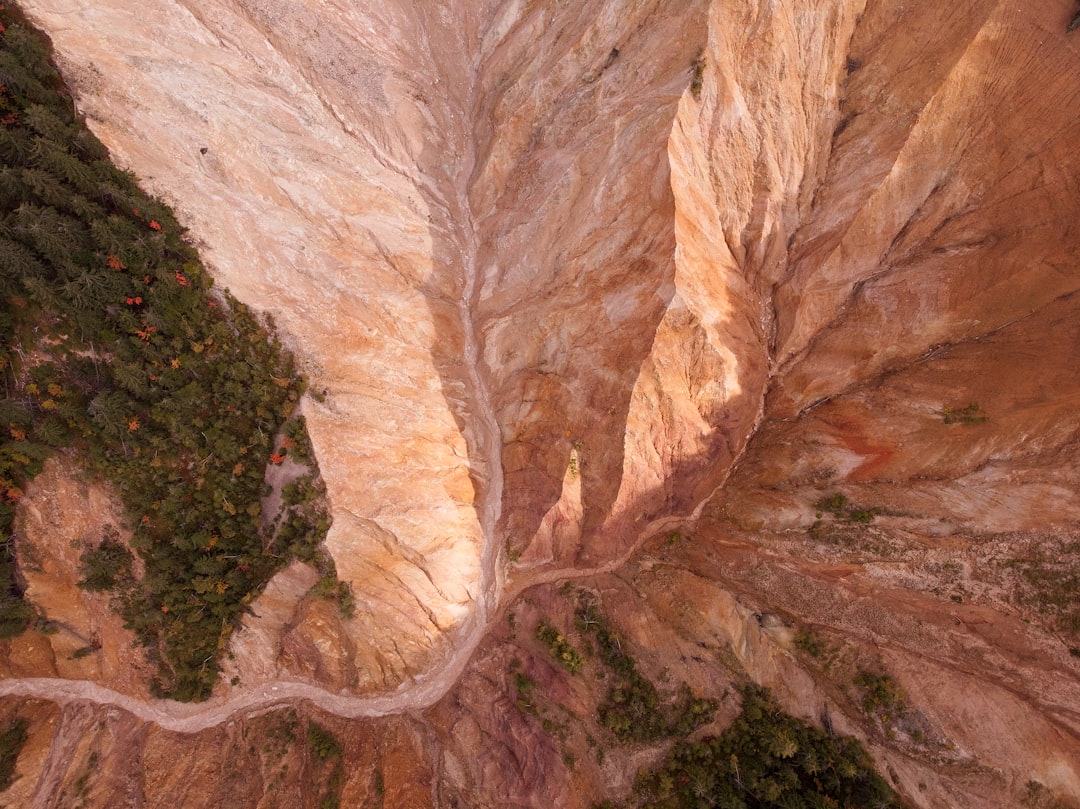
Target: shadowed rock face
(571, 275)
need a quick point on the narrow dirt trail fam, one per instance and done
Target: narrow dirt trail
(416, 694)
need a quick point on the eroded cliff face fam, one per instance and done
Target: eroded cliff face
(574, 279)
(82, 638)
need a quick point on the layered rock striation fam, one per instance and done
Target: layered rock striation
(569, 276)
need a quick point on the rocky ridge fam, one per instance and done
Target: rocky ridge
(570, 279)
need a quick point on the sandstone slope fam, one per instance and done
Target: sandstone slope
(568, 277)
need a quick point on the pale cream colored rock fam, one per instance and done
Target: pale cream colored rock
(255, 646)
(317, 648)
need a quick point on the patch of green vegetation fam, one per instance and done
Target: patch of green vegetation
(1049, 580)
(322, 742)
(84, 651)
(331, 797)
(674, 539)
(281, 733)
(881, 696)
(807, 640)
(632, 708)
(567, 656)
(525, 685)
(697, 79)
(847, 523)
(327, 750)
(689, 713)
(76, 795)
(765, 759)
(116, 348)
(379, 788)
(842, 509)
(969, 414)
(109, 566)
(15, 613)
(11, 744)
(333, 589)
(835, 504)
(1038, 796)
(302, 490)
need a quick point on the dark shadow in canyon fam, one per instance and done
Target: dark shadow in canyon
(576, 327)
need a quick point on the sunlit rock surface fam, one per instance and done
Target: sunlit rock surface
(569, 277)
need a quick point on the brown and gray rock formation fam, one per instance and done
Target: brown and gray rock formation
(573, 275)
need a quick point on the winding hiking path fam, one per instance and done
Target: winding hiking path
(415, 694)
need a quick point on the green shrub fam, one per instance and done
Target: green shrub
(689, 713)
(331, 588)
(835, 504)
(106, 567)
(697, 80)
(322, 742)
(524, 686)
(807, 641)
(567, 656)
(969, 414)
(843, 510)
(1036, 794)
(15, 613)
(881, 696)
(11, 744)
(1048, 579)
(327, 749)
(632, 708)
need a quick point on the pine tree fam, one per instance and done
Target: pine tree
(16, 261)
(14, 147)
(61, 163)
(42, 293)
(45, 123)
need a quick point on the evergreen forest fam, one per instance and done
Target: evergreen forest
(766, 759)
